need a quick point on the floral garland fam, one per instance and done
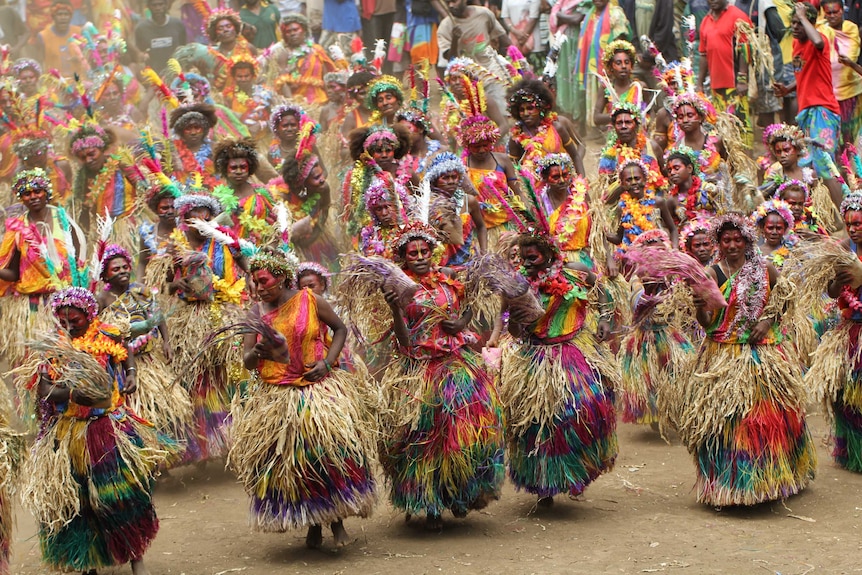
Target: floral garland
(635, 216)
(102, 180)
(551, 281)
(571, 211)
(849, 298)
(532, 145)
(698, 199)
(434, 278)
(96, 343)
(197, 162)
(779, 255)
(376, 239)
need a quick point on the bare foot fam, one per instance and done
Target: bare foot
(481, 502)
(433, 523)
(314, 539)
(137, 567)
(459, 512)
(339, 534)
(545, 502)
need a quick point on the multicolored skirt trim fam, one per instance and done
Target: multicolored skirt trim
(743, 419)
(835, 379)
(561, 424)
(88, 483)
(652, 358)
(304, 454)
(441, 441)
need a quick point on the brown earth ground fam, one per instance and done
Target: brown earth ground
(641, 517)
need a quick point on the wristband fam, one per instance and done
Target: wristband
(128, 369)
(328, 365)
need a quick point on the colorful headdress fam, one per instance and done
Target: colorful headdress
(274, 261)
(775, 133)
(624, 107)
(231, 149)
(244, 60)
(779, 207)
(618, 46)
(852, 203)
(26, 141)
(793, 184)
(75, 297)
(380, 191)
(688, 153)
(651, 236)
(112, 251)
(337, 77)
(545, 163)
(217, 16)
(632, 161)
(697, 101)
(380, 137)
(313, 268)
(478, 130)
(692, 228)
(733, 220)
(529, 92)
(29, 180)
(443, 163)
(22, 64)
(196, 197)
(415, 230)
(383, 84)
(295, 18)
(415, 116)
(90, 135)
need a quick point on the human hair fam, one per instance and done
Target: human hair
(682, 157)
(810, 12)
(356, 141)
(231, 149)
(542, 243)
(361, 78)
(534, 91)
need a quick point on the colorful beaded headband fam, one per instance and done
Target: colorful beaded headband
(736, 221)
(315, 268)
(852, 203)
(31, 180)
(444, 163)
(77, 298)
(779, 207)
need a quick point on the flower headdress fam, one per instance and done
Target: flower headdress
(692, 228)
(618, 46)
(22, 64)
(244, 60)
(852, 203)
(313, 268)
(545, 163)
(89, 135)
(632, 108)
(75, 297)
(737, 221)
(792, 184)
(415, 230)
(632, 161)
(688, 153)
(380, 137)
(112, 251)
(651, 236)
(274, 261)
(382, 84)
(218, 15)
(29, 180)
(697, 101)
(779, 207)
(443, 163)
(775, 133)
(380, 191)
(294, 110)
(28, 140)
(529, 92)
(415, 116)
(478, 130)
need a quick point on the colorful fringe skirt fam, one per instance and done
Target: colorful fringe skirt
(743, 419)
(835, 379)
(442, 434)
(561, 424)
(88, 484)
(652, 357)
(303, 454)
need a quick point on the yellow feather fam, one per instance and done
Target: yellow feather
(199, 180)
(174, 67)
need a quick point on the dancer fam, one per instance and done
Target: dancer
(442, 445)
(743, 412)
(247, 203)
(556, 384)
(301, 447)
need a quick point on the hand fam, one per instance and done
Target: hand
(742, 88)
(843, 278)
(453, 326)
(167, 350)
(613, 268)
(131, 384)
(181, 284)
(456, 33)
(845, 60)
(318, 370)
(760, 330)
(81, 399)
(391, 298)
(799, 8)
(603, 331)
(780, 89)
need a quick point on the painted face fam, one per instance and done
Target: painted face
(387, 103)
(193, 134)
(621, 65)
(456, 86)
(732, 244)
(633, 180)
(334, 91)
(73, 320)
(448, 182)
(225, 31)
(92, 158)
(514, 257)
(118, 272)
(198, 214)
(625, 127)
(774, 228)
(28, 81)
(786, 154)
(268, 286)
(34, 199)
(358, 93)
(853, 222)
(165, 209)
(480, 149)
(287, 128)
(531, 114)
(316, 178)
(313, 282)
(383, 155)
(795, 198)
(293, 33)
(688, 118)
(534, 261)
(112, 97)
(558, 178)
(702, 248)
(678, 172)
(237, 171)
(417, 255)
(244, 78)
(834, 13)
(384, 213)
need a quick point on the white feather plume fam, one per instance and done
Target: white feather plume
(379, 49)
(336, 53)
(557, 41)
(210, 230)
(105, 226)
(283, 221)
(423, 202)
(550, 69)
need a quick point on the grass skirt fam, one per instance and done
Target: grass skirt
(11, 452)
(159, 400)
(23, 319)
(835, 380)
(88, 484)
(442, 434)
(652, 357)
(561, 425)
(742, 418)
(304, 454)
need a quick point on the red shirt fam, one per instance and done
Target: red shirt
(716, 41)
(813, 70)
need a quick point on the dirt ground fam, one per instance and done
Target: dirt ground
(641, 517)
